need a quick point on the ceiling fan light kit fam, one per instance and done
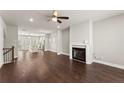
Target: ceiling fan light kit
(56, 18)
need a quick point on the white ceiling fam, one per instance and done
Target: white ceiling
(41, 23)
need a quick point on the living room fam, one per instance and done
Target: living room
(78, 42)
(61, 46)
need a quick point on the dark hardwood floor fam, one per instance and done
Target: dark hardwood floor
(50, 68)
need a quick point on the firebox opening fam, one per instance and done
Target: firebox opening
(79, 54)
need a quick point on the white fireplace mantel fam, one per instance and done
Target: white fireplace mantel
(79, 45)
(82, 45)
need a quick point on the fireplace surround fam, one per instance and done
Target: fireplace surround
(88, 56)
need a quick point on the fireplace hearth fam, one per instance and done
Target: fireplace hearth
(79, 54)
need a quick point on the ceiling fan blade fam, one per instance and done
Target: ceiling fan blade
(59, 21)
(63, 17)
(55, 13)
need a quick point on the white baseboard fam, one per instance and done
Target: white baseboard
(59, 53)
(109, 64)
(52, 51)
(65, 54)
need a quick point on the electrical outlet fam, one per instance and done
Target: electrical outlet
(96, 57)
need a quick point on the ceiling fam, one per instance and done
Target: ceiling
(41, 23)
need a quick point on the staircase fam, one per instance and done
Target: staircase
(8, 55)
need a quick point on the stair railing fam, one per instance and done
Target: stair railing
(8, 54)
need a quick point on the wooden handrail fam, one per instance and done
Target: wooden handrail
(6, 48)
(7, 51)
(12, 53)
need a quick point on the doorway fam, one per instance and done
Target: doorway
(31, 43)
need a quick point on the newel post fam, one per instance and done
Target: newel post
(12, 53)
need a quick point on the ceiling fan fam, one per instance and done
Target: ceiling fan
(56, 18)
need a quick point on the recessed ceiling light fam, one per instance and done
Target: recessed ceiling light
(31, 19)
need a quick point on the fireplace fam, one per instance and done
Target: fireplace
(79, 54)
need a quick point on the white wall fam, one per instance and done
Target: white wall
(65, 41)
(11, 38)
(59, 42)
(2, 31)
(79, 32)
(46, 42)
(53, 41)
(108, 40)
